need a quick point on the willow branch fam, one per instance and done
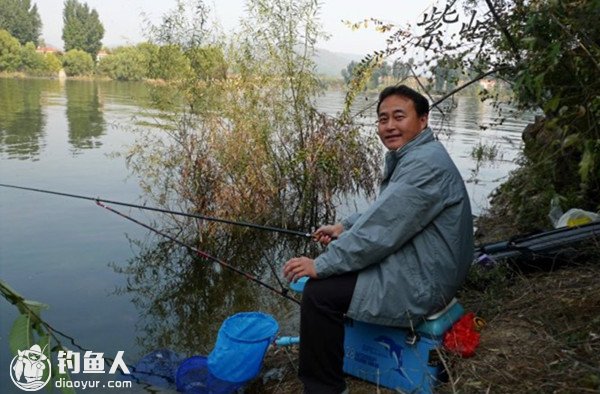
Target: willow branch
(424, 89)
(504, 30)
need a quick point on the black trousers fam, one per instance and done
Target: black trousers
(324, 303)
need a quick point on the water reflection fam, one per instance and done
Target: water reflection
(183, 299)
(22, 119)
(84, 115)
(117, 95)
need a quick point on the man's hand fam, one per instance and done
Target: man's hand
(325, 234)
(298, 267)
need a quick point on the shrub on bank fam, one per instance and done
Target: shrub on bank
(77, 63)
(25, 58)
(32, 62)
(124, 64)
(9, 52)
(52, 63)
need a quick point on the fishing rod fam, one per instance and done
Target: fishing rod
(282, 292)
(191, 215)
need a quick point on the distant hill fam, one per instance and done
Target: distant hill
(332, 63)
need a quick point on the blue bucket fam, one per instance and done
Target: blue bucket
(241, 345)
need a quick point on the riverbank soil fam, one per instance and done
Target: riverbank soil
(542, 334)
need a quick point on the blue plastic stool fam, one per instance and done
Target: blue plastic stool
(398, 358)
(394, 357)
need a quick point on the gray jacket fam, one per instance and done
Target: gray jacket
(414, 245)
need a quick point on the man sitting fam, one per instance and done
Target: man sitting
(400, 260)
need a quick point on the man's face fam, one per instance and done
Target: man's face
(398, 122)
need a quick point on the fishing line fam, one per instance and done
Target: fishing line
(282, 293)
(144, 207)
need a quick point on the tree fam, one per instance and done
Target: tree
(184, 26)
(21, 20)
(10, 51)
(347, 72)
(246, 138)
(378, 74)
(401, 70)
(82, 28)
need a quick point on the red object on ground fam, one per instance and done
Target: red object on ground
(463, 338)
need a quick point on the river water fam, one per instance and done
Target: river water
(70, 254)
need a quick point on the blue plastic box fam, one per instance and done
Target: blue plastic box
(387, 357)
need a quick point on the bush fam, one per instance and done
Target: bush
(149, 52)
(125, 64)
(170, 63)
(52, 63)
(77, 62)
(31, 61)
(207, 63)
(9, 52)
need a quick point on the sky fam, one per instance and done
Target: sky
(122, 19)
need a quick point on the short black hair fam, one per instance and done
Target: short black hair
(421, 103)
